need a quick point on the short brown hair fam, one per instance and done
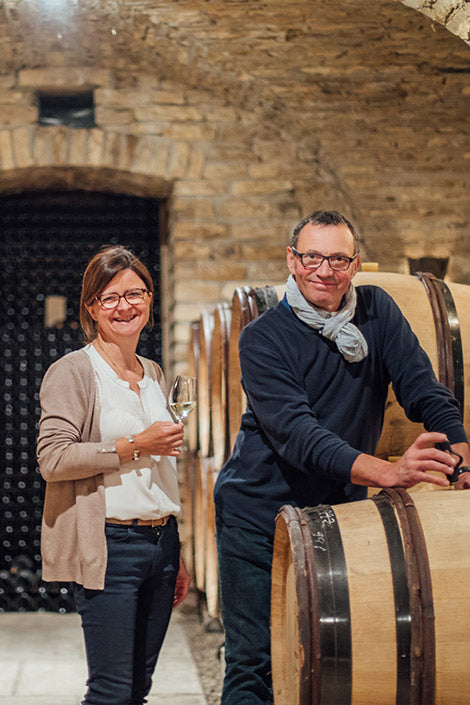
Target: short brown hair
(324, 218)
(103, 266)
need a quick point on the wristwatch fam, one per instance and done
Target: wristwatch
(136, 454)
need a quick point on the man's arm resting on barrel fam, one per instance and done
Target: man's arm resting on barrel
(414, 465)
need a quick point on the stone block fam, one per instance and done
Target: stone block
(128, 148)
(7, 80)
(146, 128)
(78, 147)
(112, 149)
(121, 98)
(22, 146)
(167, 97)
(180, 338)
(189, 133)
(262, 252)
(196, 163)
(256, 186)
(68, 77)
(18, 114)
(195, 208)
(200, 188)
(212, 271)
(167, 113)
(146, 156)
(261, 231)
(42, 152)
(244, 207)
(59, 145)
(95, 147)
(110, 117)
(14, 97)
(264, 170)
(186, 311)
(202, 291)
(188, 230)
(152, 156)
(177, 164)
(270, 271)
(221, 113)
(7, 158)
(225, 170)
(189, 251)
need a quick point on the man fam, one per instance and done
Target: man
(315, 370)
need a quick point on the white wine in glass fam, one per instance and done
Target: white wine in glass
(183, 397)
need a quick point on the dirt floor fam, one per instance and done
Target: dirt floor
(205, 637)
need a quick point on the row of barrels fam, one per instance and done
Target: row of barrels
(211, 430)
(438, 313)
(435, 310)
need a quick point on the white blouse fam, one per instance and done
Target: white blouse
(146, 488)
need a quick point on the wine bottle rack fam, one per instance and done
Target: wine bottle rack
(47, 240)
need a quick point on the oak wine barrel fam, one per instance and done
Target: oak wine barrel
(243, 311)
(247, 304)
(443, 329)
(438, 313)
(188, 491)
(219, 382)
(199, 521)
(369, 602)
(204, 410)
(192, 423)
(211, 570)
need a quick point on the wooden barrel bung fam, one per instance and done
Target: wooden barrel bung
(368, 602)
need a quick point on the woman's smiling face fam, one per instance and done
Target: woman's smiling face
(124, 320)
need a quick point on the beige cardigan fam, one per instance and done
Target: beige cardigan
(73, 544)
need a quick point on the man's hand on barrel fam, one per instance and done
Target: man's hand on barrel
(422, 457)
(416, 465)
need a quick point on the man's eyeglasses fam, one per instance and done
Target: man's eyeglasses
(313, 260)
(132, 296)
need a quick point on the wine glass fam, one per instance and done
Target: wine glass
(183, 396)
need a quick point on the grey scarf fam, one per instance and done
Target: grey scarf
(334, 326)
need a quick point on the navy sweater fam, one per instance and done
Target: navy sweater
(310, 413)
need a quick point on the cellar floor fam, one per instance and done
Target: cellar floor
(42, 662)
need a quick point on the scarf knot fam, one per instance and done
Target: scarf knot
(335, 326)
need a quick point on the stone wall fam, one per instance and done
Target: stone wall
(453, 14)
(243, 116)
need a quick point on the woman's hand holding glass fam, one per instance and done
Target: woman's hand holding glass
(161, 438)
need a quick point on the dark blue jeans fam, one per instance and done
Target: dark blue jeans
(124, 625)
(245, 560)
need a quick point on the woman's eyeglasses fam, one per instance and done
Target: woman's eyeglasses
(134, 297)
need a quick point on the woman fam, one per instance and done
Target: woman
(107, 448)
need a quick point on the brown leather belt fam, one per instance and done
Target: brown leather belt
(138, 522)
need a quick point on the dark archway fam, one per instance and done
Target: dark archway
(47, 239)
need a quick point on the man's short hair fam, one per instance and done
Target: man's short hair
(324, 218)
